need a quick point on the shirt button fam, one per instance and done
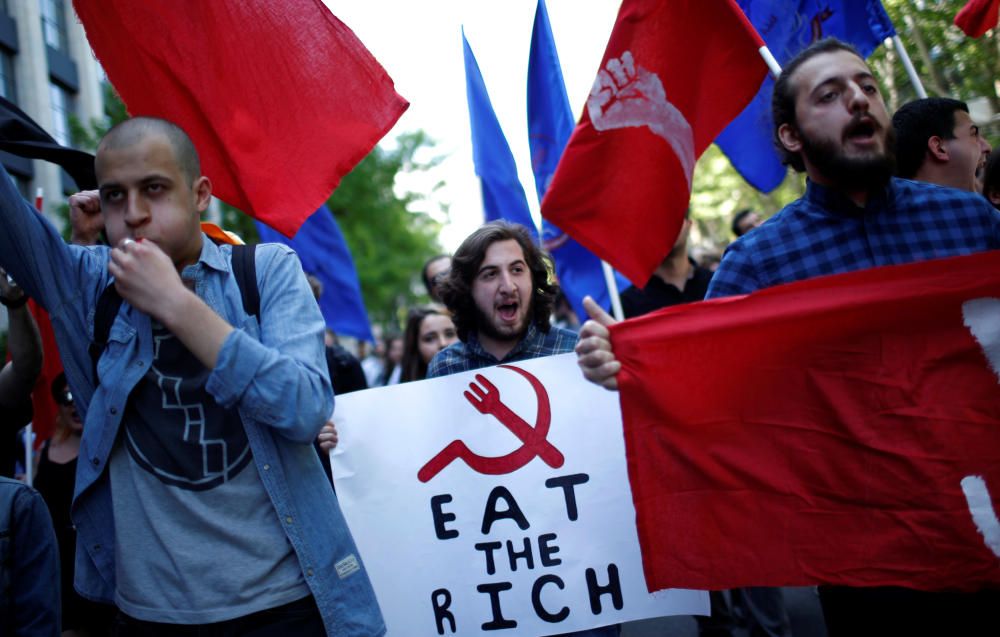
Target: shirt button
(267, 467)
(309, 572)
(96, 461)
(97, 548)
(113, 410)
(139, 363)
(288, 519)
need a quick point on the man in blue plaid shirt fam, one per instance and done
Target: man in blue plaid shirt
(831, 123)
(501, 298)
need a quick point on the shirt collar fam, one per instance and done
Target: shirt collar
(211, 255)
(835, 202)
(477, 348)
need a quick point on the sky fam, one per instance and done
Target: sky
(420, 45)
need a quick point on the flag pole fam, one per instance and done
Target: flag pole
(609, 280)
(769, 60)
(29, 430)
(911, 71)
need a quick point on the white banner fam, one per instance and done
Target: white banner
(496, 500)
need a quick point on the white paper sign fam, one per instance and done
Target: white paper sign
(495, 502)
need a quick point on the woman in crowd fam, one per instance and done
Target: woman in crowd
(54, 480)
(428, 331)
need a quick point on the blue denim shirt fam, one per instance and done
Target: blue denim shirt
(274, 372)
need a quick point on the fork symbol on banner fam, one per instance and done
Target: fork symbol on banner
(485, 397)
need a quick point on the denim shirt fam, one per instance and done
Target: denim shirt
(273, 371)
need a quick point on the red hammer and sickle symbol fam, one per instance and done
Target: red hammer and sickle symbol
(485, 397)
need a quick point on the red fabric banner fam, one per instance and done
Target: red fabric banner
(674, 74)
(279, 96)
(840, 430)
(43, 424)
(978, 16)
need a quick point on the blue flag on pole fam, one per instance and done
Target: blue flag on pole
(503, 195)
(788, 26)
(550, 123)
(324, 254)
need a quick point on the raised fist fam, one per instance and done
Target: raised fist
(626, 95)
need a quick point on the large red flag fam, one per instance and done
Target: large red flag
(978, 16)
(674, 74)
(841, 430)
(279, 96)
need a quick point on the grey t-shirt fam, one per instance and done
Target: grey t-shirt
(197, 539)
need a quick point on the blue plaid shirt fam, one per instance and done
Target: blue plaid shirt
(825, 233)
(462, 357)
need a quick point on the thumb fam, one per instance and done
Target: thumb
(597, 313)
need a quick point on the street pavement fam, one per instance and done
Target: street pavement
(803, 610)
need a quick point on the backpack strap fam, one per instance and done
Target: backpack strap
(245, 271)
(104, 315)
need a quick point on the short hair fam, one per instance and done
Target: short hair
(916, 122)
(414, 367)
(134, 130)
(59, 386)
(427, 264)
(991, 176)
(783, 97)
(456, 289)
(740, 216)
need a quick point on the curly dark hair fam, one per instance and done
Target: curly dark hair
(783, 97)
(456, 289)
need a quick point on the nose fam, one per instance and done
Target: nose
(507, 283)
(857, 98)
(136, 210)
(984, 146)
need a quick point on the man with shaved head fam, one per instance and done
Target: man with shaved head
(200, 504)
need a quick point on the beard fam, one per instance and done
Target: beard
(851, 173)
(487, 327)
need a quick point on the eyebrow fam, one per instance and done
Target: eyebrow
(841, 79)
(156, 177)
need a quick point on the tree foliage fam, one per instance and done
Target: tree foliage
(389, 238)
(949, 63)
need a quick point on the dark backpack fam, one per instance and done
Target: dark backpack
(244, 269)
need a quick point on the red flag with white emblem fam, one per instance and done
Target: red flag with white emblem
(279, 96)
(847, 428)
(674, 74)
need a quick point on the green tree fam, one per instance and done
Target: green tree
(389, 238)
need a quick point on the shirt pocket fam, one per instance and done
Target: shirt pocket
(121, 339)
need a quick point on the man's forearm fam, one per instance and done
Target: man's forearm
(198, 327)
(25, 346)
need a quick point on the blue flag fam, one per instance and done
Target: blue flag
(324, 254)
(550, 123)
(788, 26)
(503, 195)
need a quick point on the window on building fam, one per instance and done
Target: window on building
(8, 88)
(54, 24)
(63, 105)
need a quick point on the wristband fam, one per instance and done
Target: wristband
(13, 305)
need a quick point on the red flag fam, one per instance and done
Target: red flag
(279, 96)
(978, 16)
(674, 74)
(841, 430)
(43, 424)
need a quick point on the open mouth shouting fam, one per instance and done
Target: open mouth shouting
(862, 131)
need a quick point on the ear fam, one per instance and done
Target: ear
(202, 189)
(789, 137)
(936, 148)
